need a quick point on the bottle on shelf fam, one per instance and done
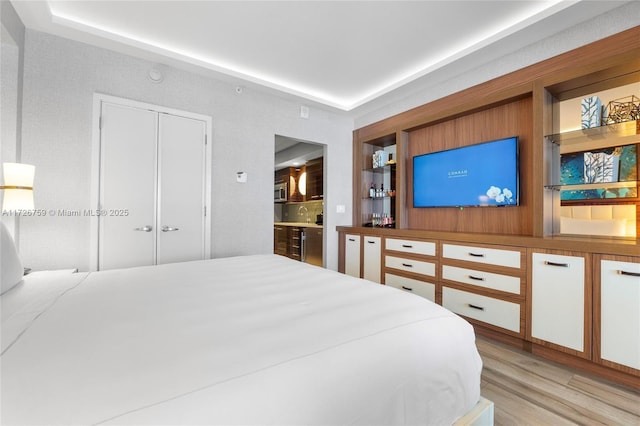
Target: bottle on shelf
(372, 190)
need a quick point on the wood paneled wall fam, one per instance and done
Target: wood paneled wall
(510, 119)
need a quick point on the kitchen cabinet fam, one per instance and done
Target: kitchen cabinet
(561, 300)
(295, 243)
(314, 179)
(280, 240)
(291, 176)
(302, 242)
(617, 312)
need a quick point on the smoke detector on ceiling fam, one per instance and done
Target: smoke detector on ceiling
(155, 75)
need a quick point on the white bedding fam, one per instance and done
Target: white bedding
(244, 340)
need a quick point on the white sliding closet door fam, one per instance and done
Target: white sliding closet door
(152, 187)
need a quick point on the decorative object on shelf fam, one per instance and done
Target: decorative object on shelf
(380, 158)
(601, 166)
(623, 109)
(591, 112)
(610, 165)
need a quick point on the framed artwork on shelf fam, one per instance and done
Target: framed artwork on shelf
(604, 173)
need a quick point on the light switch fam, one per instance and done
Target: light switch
(340, 208)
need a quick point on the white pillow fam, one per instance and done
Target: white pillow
(11, 270)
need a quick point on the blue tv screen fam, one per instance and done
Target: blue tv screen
(484, 174)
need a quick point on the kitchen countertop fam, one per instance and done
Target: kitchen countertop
(298, 224)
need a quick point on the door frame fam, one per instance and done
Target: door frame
(98, 99)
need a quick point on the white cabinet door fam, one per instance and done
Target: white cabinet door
(181, 189)
(152, 187)
(352, 255)
(372, 258)
(620, 312)
(127, 183)
(557, 300)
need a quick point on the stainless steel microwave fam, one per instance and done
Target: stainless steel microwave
(280, 193)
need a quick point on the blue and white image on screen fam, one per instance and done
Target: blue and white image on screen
(476, 175)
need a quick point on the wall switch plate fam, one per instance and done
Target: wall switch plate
(304, 111)
(340, 208)
(241, 177)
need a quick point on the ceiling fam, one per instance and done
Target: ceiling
(339, 54)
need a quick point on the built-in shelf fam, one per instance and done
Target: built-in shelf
(582, 186)
(384, 169)
(625, 133)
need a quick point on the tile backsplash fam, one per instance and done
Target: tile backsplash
(297, 212)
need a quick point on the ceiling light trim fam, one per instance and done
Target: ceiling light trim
(193, 58)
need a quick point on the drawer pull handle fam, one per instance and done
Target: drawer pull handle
(476, 278)
(407, 246)
(407, 288)
(480, 308)
(352, 239)
(408, 265)
(562, 265)
(632, 274)
(371, 242)
(476, 254)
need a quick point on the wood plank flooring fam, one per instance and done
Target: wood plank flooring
(529, 390)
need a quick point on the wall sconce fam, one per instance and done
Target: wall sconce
(18, 186)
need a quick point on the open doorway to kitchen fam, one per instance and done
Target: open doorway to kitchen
(298, 206)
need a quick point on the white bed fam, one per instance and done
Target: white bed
(243, 340)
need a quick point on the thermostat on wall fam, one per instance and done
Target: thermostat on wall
(241, 177)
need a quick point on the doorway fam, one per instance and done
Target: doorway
(300, 172)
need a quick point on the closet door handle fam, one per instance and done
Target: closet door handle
(146, 228)
(168, 229)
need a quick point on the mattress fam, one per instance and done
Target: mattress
(244, 340)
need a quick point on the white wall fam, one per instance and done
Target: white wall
(60, 78)
(11, 67)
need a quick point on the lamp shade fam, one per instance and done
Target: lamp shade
(18, 186)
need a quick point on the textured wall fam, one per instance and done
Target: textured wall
(60, 79)
(11, 66)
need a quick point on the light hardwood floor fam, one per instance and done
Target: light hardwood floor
(528, 390)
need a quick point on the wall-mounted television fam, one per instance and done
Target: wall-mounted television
(484, 174)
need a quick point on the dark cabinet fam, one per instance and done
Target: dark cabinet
(280, 240)
(314, 179)
(295, 243)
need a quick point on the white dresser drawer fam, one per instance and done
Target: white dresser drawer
(486, 309)
(410, 265)
(482, 279)
(421, 288)
(489, 256)
(410, 246)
